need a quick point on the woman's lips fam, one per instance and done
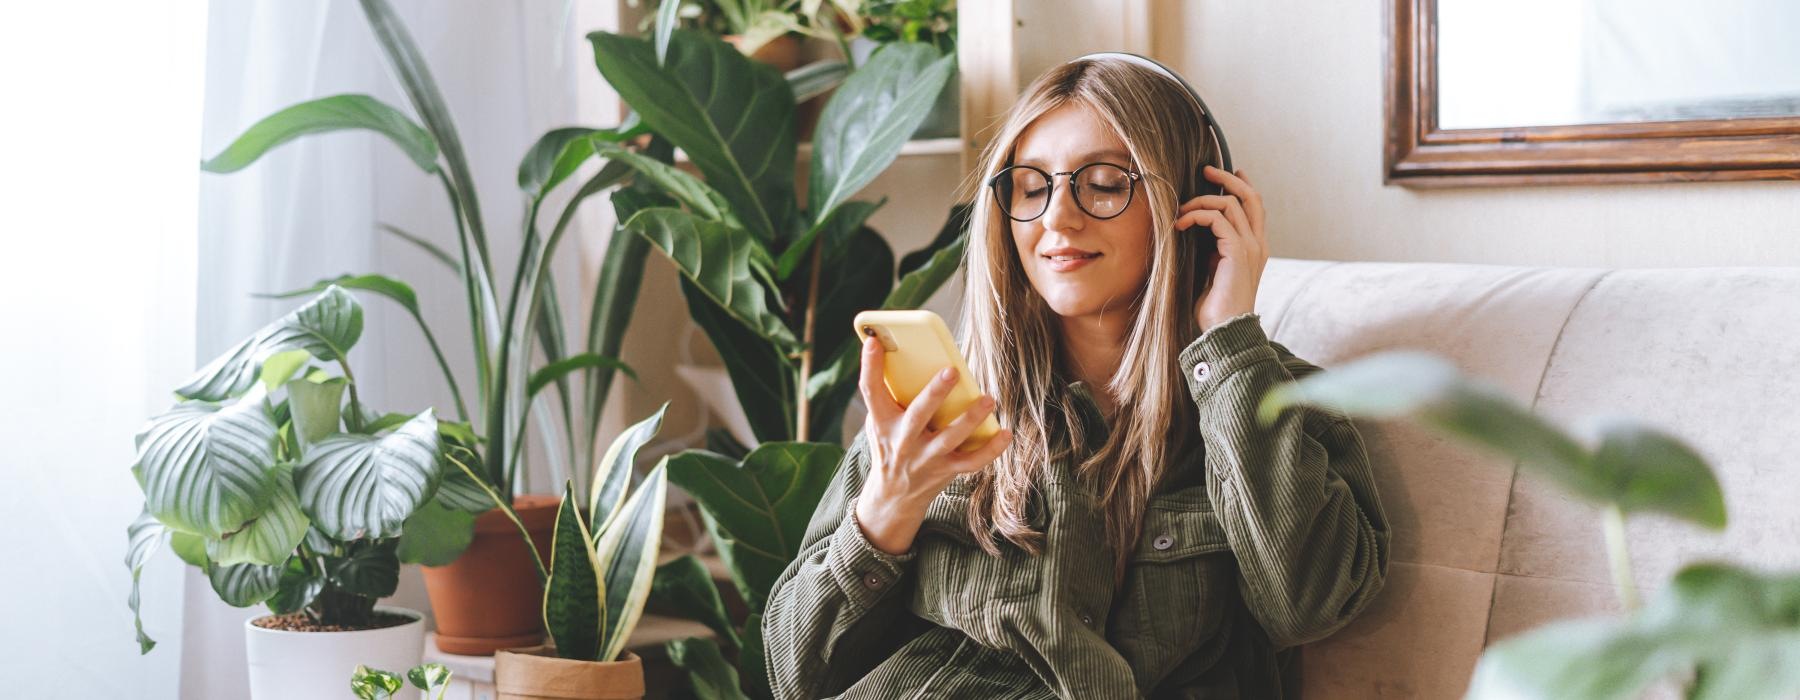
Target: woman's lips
(1067, 263)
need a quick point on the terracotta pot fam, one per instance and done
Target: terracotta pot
(490, 597)
(536, 673)
(782, 52)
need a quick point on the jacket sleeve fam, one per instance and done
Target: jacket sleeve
(1296, 498)
(829, 615)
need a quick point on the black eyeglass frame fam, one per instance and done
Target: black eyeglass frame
(1074, 189)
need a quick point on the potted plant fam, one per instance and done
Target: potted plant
(274, 477)
(773, 280)
(377, 684)
(599, 576)
(1716, 630)
(929, 22)
(484, 590)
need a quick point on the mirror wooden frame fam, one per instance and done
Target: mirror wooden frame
(1420, 154)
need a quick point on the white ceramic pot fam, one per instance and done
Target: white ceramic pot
(311, 665)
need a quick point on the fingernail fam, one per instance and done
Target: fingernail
(947, 373)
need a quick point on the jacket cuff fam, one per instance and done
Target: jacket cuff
(863, 571)
(1223, 350)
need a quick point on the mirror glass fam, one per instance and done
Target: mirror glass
(1565, 62)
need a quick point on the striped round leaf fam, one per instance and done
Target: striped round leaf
(627, 553)
(356, 486)
(372, 570)
(208, 469)
(144, 535)
(244, 585)
(574, 610)
(271, 537)
(612, 474)
(326, 327)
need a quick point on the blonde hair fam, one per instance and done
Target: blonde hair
(1010, 334)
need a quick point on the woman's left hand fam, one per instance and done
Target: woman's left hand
(1236, 219)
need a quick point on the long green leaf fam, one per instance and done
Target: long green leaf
(1737, 632)
(733, 117)
(560, 152)
(612, 474)
(758, 511)
(627, 553)
(357, 486)
(717, 259)
(869, 118)
(143, 536)
(326, 114)
(915, 288)
(208, 469)
(698, 196)
(269, 538)
(574, 599)
(327, 326)
(711, 676)
(816, 78)
(562, 368)
(686, 585)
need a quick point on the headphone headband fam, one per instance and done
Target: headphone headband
(1210, 122)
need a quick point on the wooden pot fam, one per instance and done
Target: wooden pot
(536, 673)
(490, 598)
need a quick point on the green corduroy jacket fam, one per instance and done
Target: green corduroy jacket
(1267, 538)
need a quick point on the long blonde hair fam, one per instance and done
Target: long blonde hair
(1010, 334)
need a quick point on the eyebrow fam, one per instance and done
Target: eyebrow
(1085, 157)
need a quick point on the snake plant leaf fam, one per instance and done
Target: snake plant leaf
(244, 585)
(269, 538)
(357, 486)
(685, 584)
(574, 601)
(316, 408)
(733, 117)
(327, 114)
(761, 375)
(1736, 630)
(327, 326)
(757, 511)
(437, 533)
(143, 536)
(1647, 470)
(717, 258)
(611, 480)
(627, 552)
(711, 676)
(869, 118)
(207, 468)
(370, 570)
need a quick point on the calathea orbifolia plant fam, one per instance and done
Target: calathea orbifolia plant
(276, 479)
(774, 280)
(1722, 631)
(504, 330)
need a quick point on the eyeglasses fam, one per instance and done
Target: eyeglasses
(1102, 190)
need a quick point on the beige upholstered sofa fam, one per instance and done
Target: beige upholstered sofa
(1482, 550)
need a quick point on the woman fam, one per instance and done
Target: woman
(1133, 531)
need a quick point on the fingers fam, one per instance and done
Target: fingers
(1237, 185)
(882, 407)
(918, 415)
(1229, 237)
(1232, 208)
(953, 435)
(980, 457)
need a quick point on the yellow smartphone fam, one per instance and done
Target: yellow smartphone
(918, 346)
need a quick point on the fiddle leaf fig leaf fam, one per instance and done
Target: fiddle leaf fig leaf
(208, 469)
(357, 486)
(757, 511)
(869, 118)
(718, 259)
(327, 326)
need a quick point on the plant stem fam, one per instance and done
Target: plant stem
(543, 573)
(355, 421)
(804, 414)
(1613, 521)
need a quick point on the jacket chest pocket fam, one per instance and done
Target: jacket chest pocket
(958, 580)
(1181, 583)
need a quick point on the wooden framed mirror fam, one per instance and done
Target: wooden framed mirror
(1591, 91)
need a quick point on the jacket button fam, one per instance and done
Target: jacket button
(1163, 542)
(1086, 620)
(872, 581)
(1201, 372)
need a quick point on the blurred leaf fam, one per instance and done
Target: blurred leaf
(684, 584)
(373, 684)
(1651, 471)
(371, 570)
(954, 230)
(761, 376)
(295, 587)
(436, 534)
(816, 78)
(244, 585)
(1738, 630)
(335, 113)
(316, 408)
(429, 676)
(836, 234)
(143, 536)
(560, 152)
(711, 675)
(916, 287)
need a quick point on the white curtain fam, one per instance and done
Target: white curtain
(311, 209)
(96, 305)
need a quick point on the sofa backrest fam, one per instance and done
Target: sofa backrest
(1482, 550)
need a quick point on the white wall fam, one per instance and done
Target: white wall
(1298, 86)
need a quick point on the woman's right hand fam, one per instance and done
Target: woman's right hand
(909, 463)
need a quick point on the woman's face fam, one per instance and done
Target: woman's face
(1081, 265)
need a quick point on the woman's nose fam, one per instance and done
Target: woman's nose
(1063, 213)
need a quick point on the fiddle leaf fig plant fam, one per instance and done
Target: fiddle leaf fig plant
(272, 476)
(1716, 630)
